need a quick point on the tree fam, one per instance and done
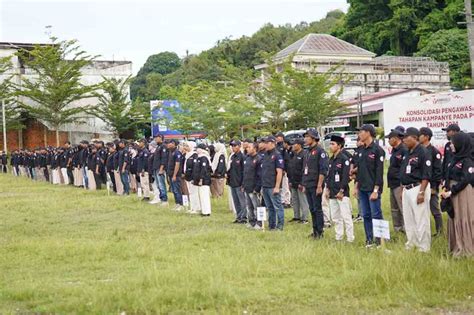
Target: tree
(13, 119)
(57, 83)
(312, 97)
(156, 66)
(219, 111)
(450, 46)
(115, 108)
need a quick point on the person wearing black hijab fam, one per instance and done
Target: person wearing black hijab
(458, 188)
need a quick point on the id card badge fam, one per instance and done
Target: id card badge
(408, 169)
(336, 178)
(306, 170)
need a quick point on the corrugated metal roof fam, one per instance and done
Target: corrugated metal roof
(381, 94)
(323, 44)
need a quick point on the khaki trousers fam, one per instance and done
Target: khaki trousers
(342, 217)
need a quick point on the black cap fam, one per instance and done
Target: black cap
(298, 141)
(337, 139)
(202, 146)
(395, 134)
(176, 142)
(426, 132)
(452, 127)
(412, 131)
(235, 142)
(369, 128)
(270, 139)
(279, 134)
(400, 129)
(313, 133)
(247, 140)
(159, 136)
(142, 140)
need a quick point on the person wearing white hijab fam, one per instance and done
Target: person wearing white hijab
(219, 169)
(202, 179)
(190, 159)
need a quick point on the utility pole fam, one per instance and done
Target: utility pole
(470, 33)
(4, 126)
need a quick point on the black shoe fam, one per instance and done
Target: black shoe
(146, 199)
(236, 221)
(243, 221)
(294, 220)
(205, 215)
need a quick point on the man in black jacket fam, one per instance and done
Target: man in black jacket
(436, 176)
(235, 176)
(399, 151)
(160, 163)
(299, 202)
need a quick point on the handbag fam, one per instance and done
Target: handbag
(447, 206)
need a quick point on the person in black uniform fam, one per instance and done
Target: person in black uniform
(235, 176)
(448, 154)
(370, 180)
(160, 164)
(109, 164)
(436, 177)
(338, 189)
(252, 171)
(299, 202)
(272, 175)
(460, 194)
(315, 168)
(142, 168)
(202, 179)
(399, 151)
(415, 175)
(4, 162)
(174, 171)
(124, 166)
(68, 151)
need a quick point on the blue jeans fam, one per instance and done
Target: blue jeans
(176, 189)
(371, 209)
(161, 183)
(126, 182)
(275, 209)
(238, 198)
(316, 210)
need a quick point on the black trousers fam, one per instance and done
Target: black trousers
(316, 210)
(70, 175)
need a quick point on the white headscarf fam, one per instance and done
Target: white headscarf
(192, 146)
(220, 151)
(202, 152)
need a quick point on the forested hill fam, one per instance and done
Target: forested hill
(386, 27)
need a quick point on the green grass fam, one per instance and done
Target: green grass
(66, 250)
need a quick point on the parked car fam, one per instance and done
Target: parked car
(350, 138)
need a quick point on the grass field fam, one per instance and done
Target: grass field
(66, 250)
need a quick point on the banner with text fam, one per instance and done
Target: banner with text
(435, 111)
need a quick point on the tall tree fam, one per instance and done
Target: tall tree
(156, 66)
(13, 111)
(219, 111)
(57, 82)
(115, 108)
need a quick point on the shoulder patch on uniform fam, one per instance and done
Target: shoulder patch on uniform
(428, 163)
(381, 159)
(323, 155)
(347, 163)
(438, 156)
(471, 170)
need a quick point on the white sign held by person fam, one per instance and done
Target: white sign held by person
(381, 229)
(261, 214)
(435, 111)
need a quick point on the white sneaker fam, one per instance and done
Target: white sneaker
(154, 201)
(164, 204)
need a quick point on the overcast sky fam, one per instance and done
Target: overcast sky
(133, 30)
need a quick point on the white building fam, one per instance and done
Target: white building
(92, 127)
(360, 70)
